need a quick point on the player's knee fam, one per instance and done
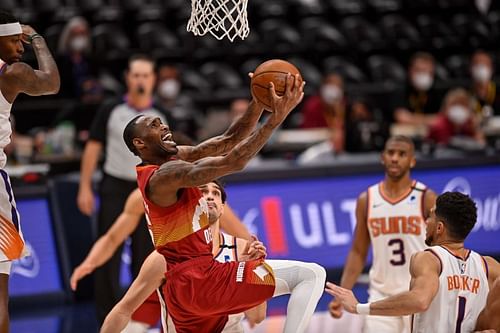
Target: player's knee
(319, 273)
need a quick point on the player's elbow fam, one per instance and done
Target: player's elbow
(422, 303)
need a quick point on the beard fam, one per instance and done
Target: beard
(429, 240)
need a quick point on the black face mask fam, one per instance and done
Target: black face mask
(141, 90)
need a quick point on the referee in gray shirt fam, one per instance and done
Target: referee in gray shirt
(119, 176)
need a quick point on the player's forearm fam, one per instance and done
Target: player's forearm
(101, 252)
(402, 304)
(352, 269)
(115, 321)
(46, 64)
(90, 158)
(244, 125)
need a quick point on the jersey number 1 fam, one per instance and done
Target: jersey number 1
(461, 313)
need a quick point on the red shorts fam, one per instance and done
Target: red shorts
(150, 311)
(201, 293)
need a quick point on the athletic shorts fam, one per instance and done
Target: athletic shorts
(149, 312)
(201, 293)
(5, 267)
(11, 238)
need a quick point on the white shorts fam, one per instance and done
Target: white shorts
(5, 267)
(11, 237)
(376, 324)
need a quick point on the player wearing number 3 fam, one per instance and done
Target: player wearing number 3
(391, 216)
(449, 283)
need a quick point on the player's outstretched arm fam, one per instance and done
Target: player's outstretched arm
(357, 255)
(222, 144)
(22, 78)
(150, 278)
(424, 270)
(173, 175)
(106, 245)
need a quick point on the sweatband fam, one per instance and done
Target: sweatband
(363, 308)
(10, 29)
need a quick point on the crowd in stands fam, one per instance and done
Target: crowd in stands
(441, 100)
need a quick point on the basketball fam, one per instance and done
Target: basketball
(271, 71)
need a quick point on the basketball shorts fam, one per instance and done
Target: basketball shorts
(11, 238)
(149, 312)
(201, 293)
(376, 324)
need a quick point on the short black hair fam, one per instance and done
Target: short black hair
(129, 133)
(141, 57)
(223, 193)
(400, 138)
(422, 56)
(458, 212)
(7, 17)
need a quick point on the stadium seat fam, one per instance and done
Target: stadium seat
(272, 9)
(361, 34)
(472, 31)
(351, 7)
(110, 42)
(193, 81)
(90, 5)
(279, 37)
(458, 66)
(441, 73)
(386, 69)
(52, 35)
(436, 33)
(321, 36)
(385, 6)
(154, 37)
(221, 75)
(306, 8)
(400, 32)
(8, 5)
(350, 72)
(46, 6)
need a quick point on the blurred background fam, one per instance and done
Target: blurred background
(374, 68)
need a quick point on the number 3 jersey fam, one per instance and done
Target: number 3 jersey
(462, 293)
(397, 230)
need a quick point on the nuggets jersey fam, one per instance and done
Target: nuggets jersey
(180, 232)
(462, 293)
(397, 230)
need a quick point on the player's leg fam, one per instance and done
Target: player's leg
(4, 295)
(106, 277)
(305, 283)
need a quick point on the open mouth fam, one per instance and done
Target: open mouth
(167, 138)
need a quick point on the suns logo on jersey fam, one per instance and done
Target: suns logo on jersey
(395, 225)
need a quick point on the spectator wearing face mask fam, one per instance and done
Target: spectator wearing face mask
(455, 119)
(180, 106)
(78, 72)
(419, 102)
(327, 107)
(484, 91)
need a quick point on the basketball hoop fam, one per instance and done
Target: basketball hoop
(221, 18)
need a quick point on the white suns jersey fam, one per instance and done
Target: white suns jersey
(5, 128)
(227, 252)
(397, 230)
(462, 293)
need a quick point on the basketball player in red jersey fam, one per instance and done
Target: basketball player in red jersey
(391, 217)
(200, 291)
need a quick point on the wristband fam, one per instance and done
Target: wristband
(363, 308)
(35, 35)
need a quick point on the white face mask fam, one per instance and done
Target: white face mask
(422, 81)
(458, 114)
(169, 89)
(78, 44)
(481, 73)
(330, 93)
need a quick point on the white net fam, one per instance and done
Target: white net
(221, 18)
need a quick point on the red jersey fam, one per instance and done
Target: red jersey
(181, 231)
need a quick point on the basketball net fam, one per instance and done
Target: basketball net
(221, 18)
